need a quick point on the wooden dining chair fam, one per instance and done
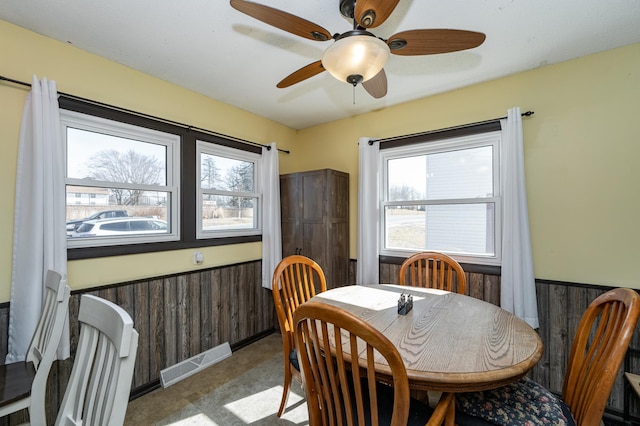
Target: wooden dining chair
(296, 279)
(598, 349)
(25, 382)
(100, 383)
(342, 389)
(433, 270)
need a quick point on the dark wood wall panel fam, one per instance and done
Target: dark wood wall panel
(480, 286)
(633, 365)
(541, 372)
(183, 315)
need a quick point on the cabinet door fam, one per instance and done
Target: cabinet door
(338, 223)
(290, 210)
(313, 217)
(315, 220)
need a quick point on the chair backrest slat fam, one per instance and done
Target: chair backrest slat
(42, 351)
(341, 386)
(296, 279)
(99, 386)
(55, 306)
(433, 270)
(598, 349)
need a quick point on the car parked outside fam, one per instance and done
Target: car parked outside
(119, 227)
(104, 214)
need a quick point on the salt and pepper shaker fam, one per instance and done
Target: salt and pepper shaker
(405, 304)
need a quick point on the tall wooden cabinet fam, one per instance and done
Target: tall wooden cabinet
(315, 220)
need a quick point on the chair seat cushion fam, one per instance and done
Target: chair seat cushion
(16, 380)
(419, 413)
(293, 359)
(524, 402)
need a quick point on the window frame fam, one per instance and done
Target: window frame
(171, 143)
(187, 172)
(204, 147)
(440, 142)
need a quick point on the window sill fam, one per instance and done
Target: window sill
(107, 251)
(468, 267)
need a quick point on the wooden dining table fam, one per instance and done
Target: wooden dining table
(448, 341)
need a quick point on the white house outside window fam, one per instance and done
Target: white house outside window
(443, 196)
(122, 182)
(228, 192)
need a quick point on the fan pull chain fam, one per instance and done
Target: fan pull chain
(354, 94)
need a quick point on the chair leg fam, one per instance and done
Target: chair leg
(451, 413)
(444, 411)
(287, 385)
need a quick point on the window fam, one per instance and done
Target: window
(228, 192)
(134, 180)
(131, 170)
(443, 195)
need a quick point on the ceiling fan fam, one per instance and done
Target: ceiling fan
(358, 56)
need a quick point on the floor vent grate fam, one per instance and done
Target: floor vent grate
(190, 366)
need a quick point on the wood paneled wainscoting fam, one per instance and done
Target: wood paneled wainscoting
(177, 316)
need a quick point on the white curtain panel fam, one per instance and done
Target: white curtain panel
(368, 214)
(518, 289)
(39, 235)
(271, 229)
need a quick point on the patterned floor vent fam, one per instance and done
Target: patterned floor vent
(190, 366)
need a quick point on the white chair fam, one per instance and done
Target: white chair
(24, 383)
(100, 382)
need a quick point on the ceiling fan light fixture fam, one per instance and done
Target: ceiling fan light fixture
(350, 56)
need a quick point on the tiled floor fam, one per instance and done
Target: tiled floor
(240, 390)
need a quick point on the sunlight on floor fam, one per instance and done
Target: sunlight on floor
(256, 409)
(261, 405)
(198, 419)
(242, 390)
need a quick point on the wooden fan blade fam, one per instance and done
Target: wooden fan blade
(371, 13)
(377, 86)
(302, 74)
(433, 41)
(283, 20)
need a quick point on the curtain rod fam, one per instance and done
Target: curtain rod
(141, 114)
(463, 126)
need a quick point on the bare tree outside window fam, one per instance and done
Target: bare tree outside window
(404, 192)
(239, 178)
(229, 203)
(210, 173)
(126, 167)
(117, 174)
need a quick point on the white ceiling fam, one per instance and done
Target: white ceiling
(211, 48)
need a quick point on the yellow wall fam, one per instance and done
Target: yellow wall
(582, 148)
(24, 54)
(580, 151)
